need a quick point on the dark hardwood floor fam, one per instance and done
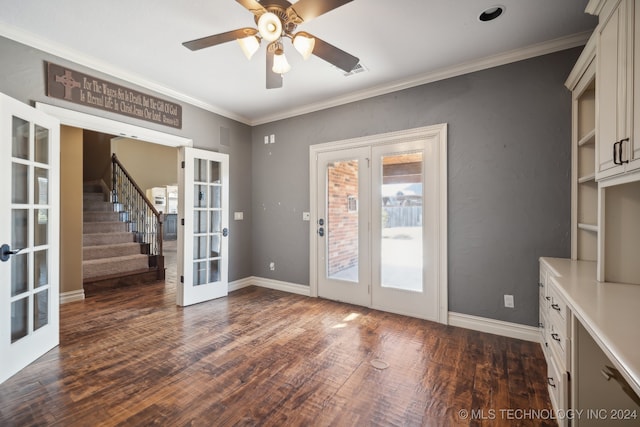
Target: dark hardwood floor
(262, 357)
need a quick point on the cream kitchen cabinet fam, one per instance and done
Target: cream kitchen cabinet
(617, 81)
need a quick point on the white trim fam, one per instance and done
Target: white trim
(532, 51)
(497, 327)
(114, 127)
(278, 285)
(71, 296)
(241, 283)
(438, 131)
(64, 52)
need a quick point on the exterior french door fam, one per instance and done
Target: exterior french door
(204, 212)
(29, 235)
(380, 222)
(342, 226)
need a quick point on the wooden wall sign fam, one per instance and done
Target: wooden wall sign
(73, 86)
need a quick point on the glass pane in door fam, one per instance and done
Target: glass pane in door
(207, 219)
(401, 245)
(342, 220)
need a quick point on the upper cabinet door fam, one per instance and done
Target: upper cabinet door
(613, 78)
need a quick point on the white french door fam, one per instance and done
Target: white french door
(204, 214)
(379, 238)
(342, 226)
(29, 234)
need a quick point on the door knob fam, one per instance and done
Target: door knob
(6, 252)
(225, 232)
(321, 231)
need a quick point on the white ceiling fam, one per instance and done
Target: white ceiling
(402, 43)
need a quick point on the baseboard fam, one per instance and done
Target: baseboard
(71, 296)
(241, 283)
(278, 285)
(497, 327)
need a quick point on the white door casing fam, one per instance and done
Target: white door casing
(29, 221)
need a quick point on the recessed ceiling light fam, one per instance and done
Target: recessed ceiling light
(491, 13)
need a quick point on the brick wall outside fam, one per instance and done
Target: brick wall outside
(342, 225)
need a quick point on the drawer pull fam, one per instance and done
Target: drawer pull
(550, 382)
(556, 307)
(556, 337)
(547, 298)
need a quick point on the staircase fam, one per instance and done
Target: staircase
(111, 255)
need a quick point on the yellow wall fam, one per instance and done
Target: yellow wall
(70, 209)
(150, 165)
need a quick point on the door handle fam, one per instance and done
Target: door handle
(321, 231)
(620, 151)
(6, 252)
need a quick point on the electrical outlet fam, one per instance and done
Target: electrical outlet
(272, 266)
(508, 301)
(306, 216)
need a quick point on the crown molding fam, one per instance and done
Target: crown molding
(46, 46)
(516, 55)
(538, 49)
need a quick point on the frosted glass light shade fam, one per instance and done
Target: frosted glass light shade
(249, 45)
(270, 27)
(280, 63)
(304, 44)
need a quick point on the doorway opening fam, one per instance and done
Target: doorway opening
(104, 135)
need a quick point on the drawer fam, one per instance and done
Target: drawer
(558, 343)
(556, 303)
(556, 383)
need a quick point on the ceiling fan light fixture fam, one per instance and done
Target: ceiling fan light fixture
(270, 26)
(280, 63)
(249, 45)
(304, 43)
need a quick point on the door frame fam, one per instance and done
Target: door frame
(113, 127)
(437, 132)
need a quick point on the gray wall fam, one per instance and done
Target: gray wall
(509, 146)
(23, 76)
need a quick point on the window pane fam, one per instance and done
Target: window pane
(41, 190)
(215, 173)
(216, 196)
(200, 247)
(342, 222)
(214, 271)
(200, 196)
(19, 183)
(401, 245)
(200, 222)
(40, 269)
(19, 319)
(199, 273)
(216, 245)
(40, 309)
(19, 228)
(200, 170)
(40, 227)
(19, 274)
(42, 144)
(20, 139)
(216, 222)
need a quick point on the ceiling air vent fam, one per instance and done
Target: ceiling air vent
(356, 70)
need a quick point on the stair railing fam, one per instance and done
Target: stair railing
(143, 218)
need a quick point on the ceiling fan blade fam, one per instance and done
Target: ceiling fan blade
(219, 38)
(274, 80)
(253, 6)
(309, 9)
(335, 56)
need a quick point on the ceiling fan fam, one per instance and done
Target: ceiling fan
(278, 19)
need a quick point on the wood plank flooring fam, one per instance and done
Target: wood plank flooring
(131, 357)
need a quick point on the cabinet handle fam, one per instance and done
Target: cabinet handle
(556, 337)
(615, 154)
(550, 382)
(547, 298)
(540, 325)
(541, 284)
(620, 152)
(556, 307)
